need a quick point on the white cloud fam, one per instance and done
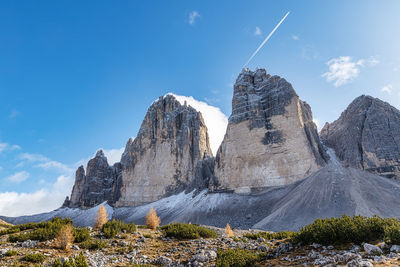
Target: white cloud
(295, 37)
(215, 120)
(33, 157)
(1, 168)
(387, 89)
(14, 113)
(3, 146)
(113, 155)
(257, 31)
(343, 69)
(43, 200)
(18, 177)
(54, 165)
(193, 17)
(316, 121)
(6, 146)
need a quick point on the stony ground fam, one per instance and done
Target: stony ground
(151, 247)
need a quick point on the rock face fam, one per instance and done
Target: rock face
(270, 140)
(96, 186)
(162, 159)
(367, 136)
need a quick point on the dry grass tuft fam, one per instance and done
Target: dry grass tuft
(65, 237)
(152, 220)
(228, 231)
(101, 218)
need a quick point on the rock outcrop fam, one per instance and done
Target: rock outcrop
(367, 136)
(270, 140)
(163, 158)
(96, 185)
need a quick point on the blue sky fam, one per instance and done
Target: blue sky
(76, 76)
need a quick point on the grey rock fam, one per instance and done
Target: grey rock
(395, 248)
(163, 261)
(29, 244)
(360, 263)
(367, 136)
(270, 139)
(346, 257)
(371, 249)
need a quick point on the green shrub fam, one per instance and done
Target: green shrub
(147, 235)
(392, 234)
(112, 228)
(236, 258)
(11, 253)
(35, 258)
(78, 261)
(40, 231)
(269, 236)
(347, 229)
(187, 231)
(81, 235)
(93, 244)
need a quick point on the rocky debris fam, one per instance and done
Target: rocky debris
(371, 249)
(395, 248)
(270, 139)
(360, 263)
(367, 136)
(29, 244)
(162, 159)
(96, 259)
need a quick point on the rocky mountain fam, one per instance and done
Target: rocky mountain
(170, 154)
(96, 185)
(271, 171)
(162, 159)
(271, 138)
(367, 136)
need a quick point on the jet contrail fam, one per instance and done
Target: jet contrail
(266, 39)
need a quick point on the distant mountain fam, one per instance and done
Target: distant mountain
(367, 136)
(271, 171)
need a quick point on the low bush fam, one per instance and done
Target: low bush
(35, 258)
(236, 258)
(81, 235)
(187, 231)
(112, 228)
(269, 236)
(11, 253)
(40, 231)
(78, 261)
(93, 244)
(147, 235)
(348, 229)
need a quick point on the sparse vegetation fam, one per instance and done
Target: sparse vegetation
(348, 229)
(101, 218)
(11, 253)
(187, 231)
(152, 220)
(78, 261)
(147, 235)
(35, 258)
(94, 243)
(236, 258)
(269, 235)
(112, 228)
(228, 231)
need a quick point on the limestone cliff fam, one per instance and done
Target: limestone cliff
(163, 158)
(96, 185)
(270, 140)
(367, 136)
